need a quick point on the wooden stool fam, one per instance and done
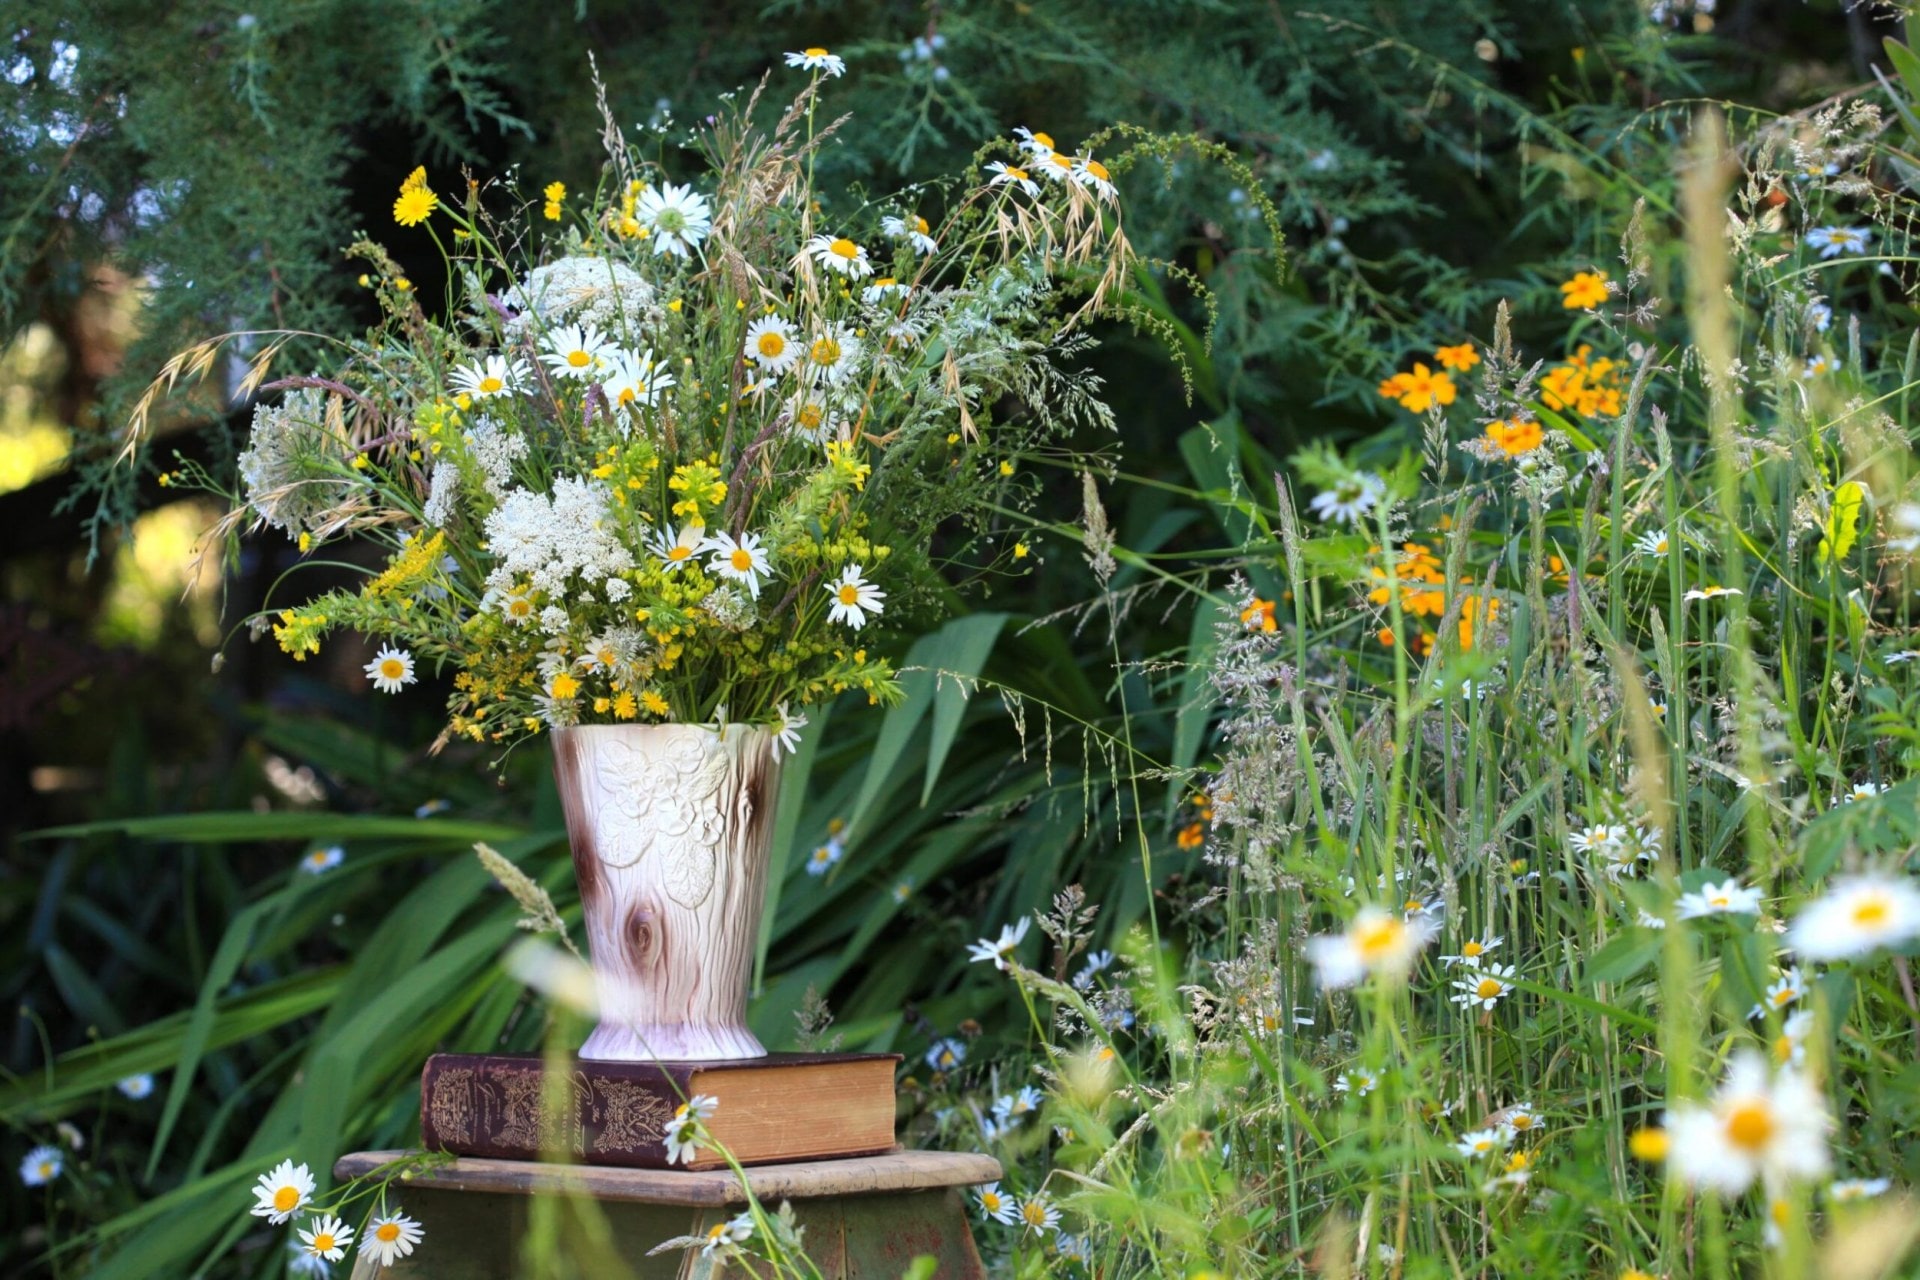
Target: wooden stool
(865, 1218)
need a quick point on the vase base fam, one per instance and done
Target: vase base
(670, 1042)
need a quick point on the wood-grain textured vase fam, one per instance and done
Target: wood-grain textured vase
(670, 827)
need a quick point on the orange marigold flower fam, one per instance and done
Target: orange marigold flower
(1476, 611)
(1259, 614)
(1514, 437)
(1587, 289)
(1192, 836)
(1395, 387)
(1425, 388)
(1460, 357)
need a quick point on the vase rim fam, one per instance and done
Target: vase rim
(670, 725)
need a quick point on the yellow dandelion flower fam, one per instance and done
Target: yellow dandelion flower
(414, 206)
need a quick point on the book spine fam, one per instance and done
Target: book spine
(507, 1109)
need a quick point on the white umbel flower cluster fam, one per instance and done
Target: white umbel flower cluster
(596, 291)
(293, 464)
(549, 540)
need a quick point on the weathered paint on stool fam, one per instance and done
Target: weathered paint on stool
(864, 1219)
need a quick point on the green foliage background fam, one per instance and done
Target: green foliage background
(1429, 158)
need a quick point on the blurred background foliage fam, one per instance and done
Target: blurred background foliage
(174, 172)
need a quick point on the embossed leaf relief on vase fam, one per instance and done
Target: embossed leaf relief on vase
(670, 828)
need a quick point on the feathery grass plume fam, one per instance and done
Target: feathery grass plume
(541, 915)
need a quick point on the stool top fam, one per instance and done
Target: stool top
(812, 1179)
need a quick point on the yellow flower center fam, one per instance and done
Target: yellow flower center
(717, 1230)
(283, 1200)
(1043, 140)
(844, 248)
(826, 352)
(920, 224)
(579, 359)
(392, 669)
(1034, 1212)
(1522, 1121)
(885, 282)
(1779, 1211)
(1472, 949)
(990, 1202)
(679, 551)
(1719, 900)
(1871, 913)
(1098, 170)
(810, 416)
(387, 1232)
(849, 594)
(1377, 937)
(520, 607)
(1750, 1125)
(1020, 174)
(628, 395)
(1488, 988)
(741, 560)
(490, 384)
(322, 1241)
(815, 52)
(772, 344)
(1059, 161)
(1482, 1145)
(1785, 996)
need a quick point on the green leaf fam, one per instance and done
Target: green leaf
(1843, 522)
(1624, 956)
(247, 827)
(961, 653)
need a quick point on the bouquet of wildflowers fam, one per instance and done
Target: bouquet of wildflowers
(678, 447)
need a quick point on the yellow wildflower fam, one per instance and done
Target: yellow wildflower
(1587, 289)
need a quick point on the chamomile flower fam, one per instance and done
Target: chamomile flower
(1601, 838)
(319, 861)
(824, 858)
(327, 1237)
(1348, 501)
(1018, 1106)
(1728, 898)
(772, 344)
(1484, 987)
(998, 951)
(1647, 920)
(1097, 963)
(1522, 1118)
(1857, 916)
(1820, 316)
(1358, 1082)
(1375, 941)
(679, 549)
(1781, 992)
(302, 1263)
(634, 380)
(1481, 1142)
(744, 561)
(1834, 241)
(854, 598)
(1009, 175)
(946, 1054)
(1710, 592)
(995, 1205)
(882, 291)
(491, 376)
(786, 731)
(390, 1236)
(1790, 1046)
(730, 1231)
(1820, 365)
(42, 1165)
(677, 218)
(283, 1192)
(1755, 1126)
(577, 351)
(1652, 543)
(913, 229)
(1861, 791)
(1038, 1214)
(840, 256)
(1853, 1190)
(136, 1087)
(829, 357)
(1093, 175)
(1035, 144)
(818, 59)
(391, 669)
(683, 1132)
(515, 604)
(1474, 950)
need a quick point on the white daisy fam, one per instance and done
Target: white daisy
(136, 1087)
(998, 951)
(1855, 1189)
(1834, 241)
(772, 344)
(1474, 950)
(676, 218)
(1038, 145)
(391, 669)
(390, 1236)
(1651, 543)
(1374, 941)
(1647, 920)
(730, 1231)
(1357, 1082)
(1018, 1106)
(1485, 987)
(318, 861)
(1905, 655)
(816, 414)
(826, 857)
(1052, 166)
(328, 1237)
(1781, 992)
(1602, 838)
(1820, 315)
(840, 256)
(678, 550)
(883, 291)
(1820, 365)
(946, 1054)
(1038, 1215)
(302, 1263)
(744, 561)
(283, 1192)
(1522, 1118)
(1009, 175)
(1861, 791)
(854, 598)
(635, 381)
(1718, 899)
(1710, 593)
(830, 356)
(1481, 1142)
(577, 351)
(913, 229)
(1093, 175)
(492, 376)
(786, 731)
(818, 59)
(42, 1165)
(1856, 916)
(1351, 499)
(683, 1132)
(1097, 963)
(995, 1205)
(1753, 1127)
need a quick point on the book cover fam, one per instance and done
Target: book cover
(783, 1107)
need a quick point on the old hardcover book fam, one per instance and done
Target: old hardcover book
(783, 1107)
